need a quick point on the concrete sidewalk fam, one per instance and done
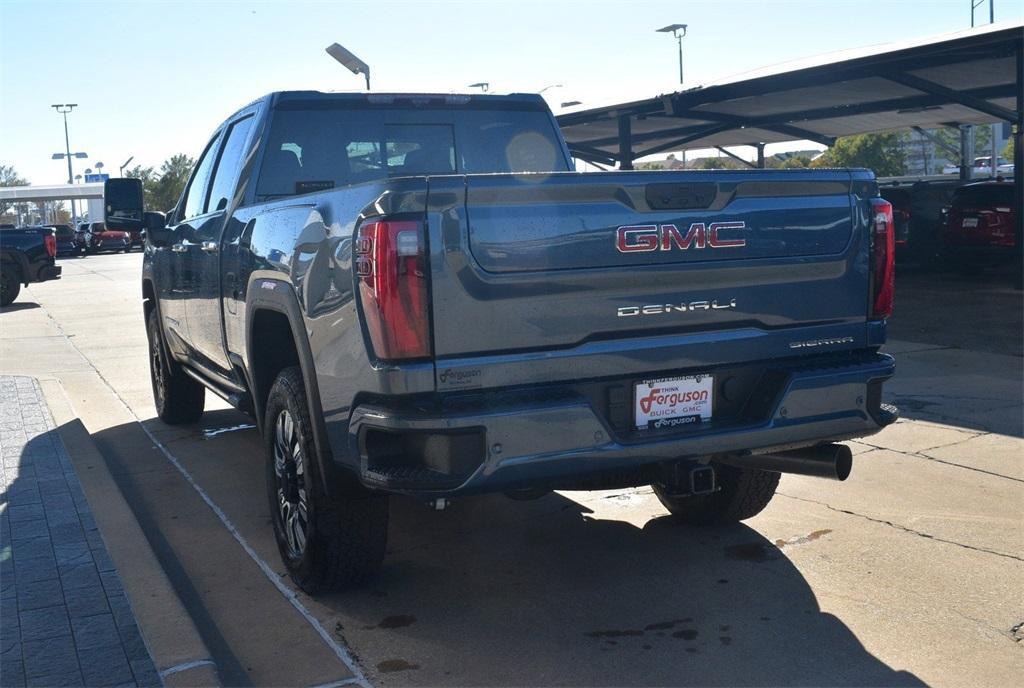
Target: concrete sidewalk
(65, 618)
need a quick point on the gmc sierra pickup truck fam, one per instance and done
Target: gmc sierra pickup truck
(26, 256)
(415, 294)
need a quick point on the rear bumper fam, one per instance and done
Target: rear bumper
(515, 441)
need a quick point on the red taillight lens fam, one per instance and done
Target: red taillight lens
(51, 244)
(391, 269)
(883, 253)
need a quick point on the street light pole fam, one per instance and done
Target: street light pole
(675, 29)
(64, 109)
(126, 162)
(679, 39)
(349, 61)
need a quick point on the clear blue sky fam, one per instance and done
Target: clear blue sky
(155, 78)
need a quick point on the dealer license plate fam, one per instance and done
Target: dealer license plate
(673, 401)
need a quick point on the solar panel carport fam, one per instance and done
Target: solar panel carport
(970, 77)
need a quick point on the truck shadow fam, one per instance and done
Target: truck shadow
(19, 306)
(496, 592)
(574, 588)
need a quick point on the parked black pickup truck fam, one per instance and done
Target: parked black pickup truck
(415, 294)
(26, 256)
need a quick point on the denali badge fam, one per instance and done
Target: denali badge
(821, 342)
(684, 307)
(641, 238)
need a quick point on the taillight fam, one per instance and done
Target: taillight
(391, 269)
(883, 253)
(51, 244)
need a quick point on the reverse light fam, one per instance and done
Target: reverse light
(883, 259)
(391, 269)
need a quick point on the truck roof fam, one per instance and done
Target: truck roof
(374, 97)
(454, 99)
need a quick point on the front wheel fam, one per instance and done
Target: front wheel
(327, 542)
(178, 398)
(742, 493)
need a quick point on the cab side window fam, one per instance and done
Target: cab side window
(195, 198)
(225, 179)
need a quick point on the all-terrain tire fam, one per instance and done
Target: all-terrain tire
(10, 287)
(743, 493)
(344, 536)
(178, 398)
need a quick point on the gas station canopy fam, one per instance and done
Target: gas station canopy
(969, 77)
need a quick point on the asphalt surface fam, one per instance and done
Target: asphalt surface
(906, 574)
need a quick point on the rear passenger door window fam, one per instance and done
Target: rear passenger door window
(225, 178)
(195, 197)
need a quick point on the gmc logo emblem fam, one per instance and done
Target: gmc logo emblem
(640, 238)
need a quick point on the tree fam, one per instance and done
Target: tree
(9, 177)
(173, 177)
(1008, 151)
(61, 214)
(796, 162)
(951, 137)
(879, 152)
(718, 164)
(161, 190)
(149, 181)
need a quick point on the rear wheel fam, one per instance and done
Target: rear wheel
(10, 287)
(178, 398)
(742, 493)
(327, 542)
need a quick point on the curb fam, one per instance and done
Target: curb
(180, 655)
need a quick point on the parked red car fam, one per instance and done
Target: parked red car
(99, 238)
(980, 224)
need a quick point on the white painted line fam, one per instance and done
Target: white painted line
(177, 668)
(210, 434)
(340, 650)
(337, 684)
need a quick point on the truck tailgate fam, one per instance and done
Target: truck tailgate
(640, 265)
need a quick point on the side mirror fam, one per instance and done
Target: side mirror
(155, 227)
(122, 201)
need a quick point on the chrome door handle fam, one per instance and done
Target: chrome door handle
(180, 247)
(208, 246)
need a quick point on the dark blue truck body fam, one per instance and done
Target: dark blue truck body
(553, 298)
(26, 256)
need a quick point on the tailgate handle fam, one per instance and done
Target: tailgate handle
(691, 196)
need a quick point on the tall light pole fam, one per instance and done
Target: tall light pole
(676, 29)
(350, 61)
(126, 162)
(550, 86)
(975, 4)
(64, 109)
(484, 86)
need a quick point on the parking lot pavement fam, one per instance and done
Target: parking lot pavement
(66, 619)
(907, 573)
